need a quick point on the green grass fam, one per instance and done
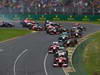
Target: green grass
(6, 34)
(92, 55)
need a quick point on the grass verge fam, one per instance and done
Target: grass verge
(92, 55)
(8, 33)
(78, 59)
(86, 57)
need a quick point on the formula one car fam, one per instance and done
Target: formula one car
(27, 23)
(70, 42)
(63, 30)
(47, 23)
(60, 59)
(82, 28)
(75, 32)
(37, 27)
(53, 31)
(53, 48)
(6, 24)
(79, 26)
(57, 25)
(49, 27)
(64, 36)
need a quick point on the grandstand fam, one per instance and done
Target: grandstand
(74, 7)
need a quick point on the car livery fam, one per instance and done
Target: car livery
(61, 59)
(27, 23)
(54, 48)
(70, 42)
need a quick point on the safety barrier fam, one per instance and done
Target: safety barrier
(50, 17)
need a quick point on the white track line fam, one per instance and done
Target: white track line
(45, 69)
(18, 59)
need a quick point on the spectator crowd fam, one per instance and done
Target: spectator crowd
(50, 6)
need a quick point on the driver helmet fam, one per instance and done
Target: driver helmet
(55, 43)
(50, 22)
(47, 21)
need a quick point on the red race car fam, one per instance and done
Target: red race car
(53, 31)
(27, 23)
(38, 27)
(53, 48)
(57, 25)
(61, 59)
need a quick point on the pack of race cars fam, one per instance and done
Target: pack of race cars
(67, 38)
(49, 27)
(60, 55)
(32, 25)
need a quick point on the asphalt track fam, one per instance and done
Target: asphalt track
(28, 55)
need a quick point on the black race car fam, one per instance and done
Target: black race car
(82, 28)
(64, 36)
(63, 30)
(6, 24)
(70, 42)
(60, 59)
(75, 32)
